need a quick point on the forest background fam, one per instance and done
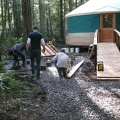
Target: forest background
(17, 17)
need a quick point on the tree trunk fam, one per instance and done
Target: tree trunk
(64, 7)
(81, 2)
(50, 21)
(4, 14)
(76, 3)
(17, 19)
(61, 20)
(27, 20)
(32, 12)
(3, 32)
(70, 5)
(9, 18)
(41, 11)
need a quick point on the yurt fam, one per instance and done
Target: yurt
(82, 22)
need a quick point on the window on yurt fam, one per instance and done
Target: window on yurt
(107, 21)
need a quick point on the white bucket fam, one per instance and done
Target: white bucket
(71, 50)
(76, 50)
(66, 50)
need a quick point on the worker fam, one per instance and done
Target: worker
(61, 60)
(35, 40)
(18, 50)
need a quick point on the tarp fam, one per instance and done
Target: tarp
(96, 7)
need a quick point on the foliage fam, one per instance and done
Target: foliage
(17, 19)
(13, 93)
(15, 88)
(16, 104)
(1, 67)
(13, 40)
(7, 43)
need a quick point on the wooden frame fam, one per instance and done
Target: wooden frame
(94, 48)
(107, 34)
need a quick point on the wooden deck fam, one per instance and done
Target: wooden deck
(110, 55)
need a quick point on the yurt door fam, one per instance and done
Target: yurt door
(106, 27)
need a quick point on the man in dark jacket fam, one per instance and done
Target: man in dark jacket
(35, 40)
(18, 50)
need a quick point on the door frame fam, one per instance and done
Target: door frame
(107, 32)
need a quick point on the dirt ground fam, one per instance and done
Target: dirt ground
(80, 97)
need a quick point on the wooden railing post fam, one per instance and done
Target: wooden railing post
(96, 39)
(117, 38)
(94, 48)
(95, 57)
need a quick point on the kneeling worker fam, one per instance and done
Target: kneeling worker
(16, 51)
(61, 61)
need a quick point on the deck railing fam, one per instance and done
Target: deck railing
(96, 37)
(117, 38)
(96, 40)
(94, 48)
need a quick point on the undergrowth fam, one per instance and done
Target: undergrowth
(14, 88)
(14, 93)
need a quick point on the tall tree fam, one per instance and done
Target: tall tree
(27, 19)
(9, 17)
(17, 18)
(50, 22)
(3, 20)
(32, 12)
(61, 20)
(76, 3)
(41, 16)
(70, 5)
(4, 17)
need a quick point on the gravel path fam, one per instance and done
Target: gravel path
(79, 99)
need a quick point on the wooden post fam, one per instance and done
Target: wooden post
(95, 57)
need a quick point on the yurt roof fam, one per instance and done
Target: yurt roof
(96, 7)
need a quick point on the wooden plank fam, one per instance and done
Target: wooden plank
(110, 55)
(96, 37)
(50, 50)
(105, 79)
(74, 69)
(94, 43)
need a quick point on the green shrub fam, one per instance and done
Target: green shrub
(1, 67)
(6, 81)
(8, 84)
